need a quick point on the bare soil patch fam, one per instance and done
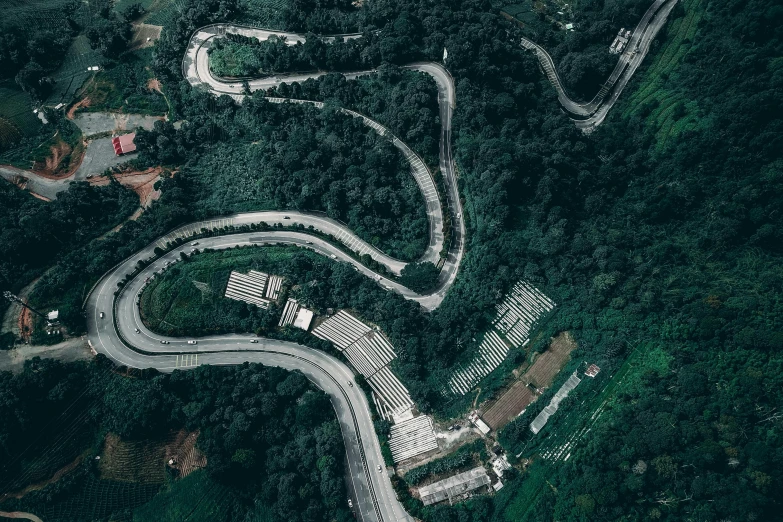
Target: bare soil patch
(61, 162)
(141, 182)
(531, 383)
(154, 85)
(145, 461)
(133, 461)
(84, 102)
(183, 454)
(141, 33)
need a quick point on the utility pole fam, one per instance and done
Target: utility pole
(16, 299)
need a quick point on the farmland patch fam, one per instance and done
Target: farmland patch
(537, 377)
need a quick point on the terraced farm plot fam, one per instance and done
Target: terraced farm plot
(73, 72)
(132, 461)
(672, 113)
(195, 498)
(539, 375)
(16, 113)
(517, 315)
(38, 13)
(263, 13)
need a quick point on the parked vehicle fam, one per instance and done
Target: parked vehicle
(194, 243)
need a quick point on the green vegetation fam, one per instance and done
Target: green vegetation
(665, 264)
(188, 299)
(659, 99)
(319, 160)
(35, 233)
(420, 277)
(467, 456)
(53, 413)
(196, 498)
(263, 13)
(16, 115)
(125, 87)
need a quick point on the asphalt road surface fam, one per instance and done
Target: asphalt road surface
(589, 115)
(121, 335)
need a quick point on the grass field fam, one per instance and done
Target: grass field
(667, 110)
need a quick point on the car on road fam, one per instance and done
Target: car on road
(192, 342)
(350, 384)
(164, 342)
(309, 242)
(379, 468)
(333, 256)
(103, 315)
(192, 250)
(194, 243)
(137, 330)
(350, 503)
(254, 341)
(286, 217)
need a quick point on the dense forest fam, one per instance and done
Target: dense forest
(266, 156)
(663, 255)
(269, 436)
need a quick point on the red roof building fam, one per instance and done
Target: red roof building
(592, 370)
(124, 144)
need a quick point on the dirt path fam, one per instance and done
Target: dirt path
(20, 514)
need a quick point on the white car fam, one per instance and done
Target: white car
(254, 341)
(333, 256)
(350, 503)
(192, 342)
(350, 384)
(194, 243)
(164, 342)
(103, 315)
(137, 330)
(380, 468)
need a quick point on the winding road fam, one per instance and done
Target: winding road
(121, 335)
(588, 116)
